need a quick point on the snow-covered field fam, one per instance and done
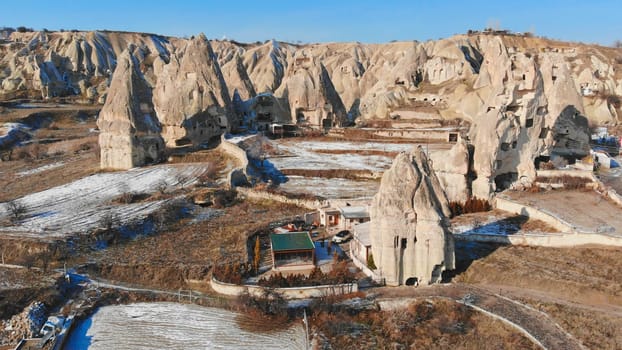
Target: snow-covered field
(308, 155)
(174, 326)
(330, 188)
(80, 205)
(304, 155)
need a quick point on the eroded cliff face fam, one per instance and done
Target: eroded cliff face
(367, 79)
(523, 98)
(410, 240)
(191, 95)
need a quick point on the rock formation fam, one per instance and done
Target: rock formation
(452, 170)
(191, 97)
(313, 100)
(523, 98)
(526, 103)
(129, 128)
(410, 240)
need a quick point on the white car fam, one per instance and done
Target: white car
(342, 236)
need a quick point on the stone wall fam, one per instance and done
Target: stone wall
(239, 175)
(553, 240)
(305, 203)
(287, 293)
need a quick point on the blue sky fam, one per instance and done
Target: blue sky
(593, 21)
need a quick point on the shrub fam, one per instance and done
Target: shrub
(370, 262)
(471, 205)
(338, 275)
(224, 198)
(233, 273)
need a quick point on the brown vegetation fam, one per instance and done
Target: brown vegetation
(569, 182)
(426, 324)
(579, 274)
(330, 173)
(471, 205)
(338, 275)
(184, 250)
(596, 330)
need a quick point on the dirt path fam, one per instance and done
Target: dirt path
(536, 323)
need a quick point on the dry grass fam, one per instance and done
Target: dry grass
(596, 330)
(75, 167)
(330, 173)
(187, 251)
(429, 324)
(580, 274)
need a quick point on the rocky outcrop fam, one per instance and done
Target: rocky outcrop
(312, 97)
(524, 98)
(531, 111)
(191, 97)
(129, 128)
(410, 240)
(51, 64)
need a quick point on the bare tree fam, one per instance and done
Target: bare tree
(17, 210)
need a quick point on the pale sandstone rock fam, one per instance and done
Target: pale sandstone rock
(191, 97)
(452, 169)
(129, 128)
(409, 223)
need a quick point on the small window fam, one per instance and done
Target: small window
(404, 242)
(529, 122)
(514, 143)
(505, 146)
(498, 164)
(395, 241)
(453, 137)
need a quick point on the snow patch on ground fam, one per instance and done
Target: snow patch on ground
(174, 326)
(11, 133)
(80, 205)
(306, 155)
(41, 169)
